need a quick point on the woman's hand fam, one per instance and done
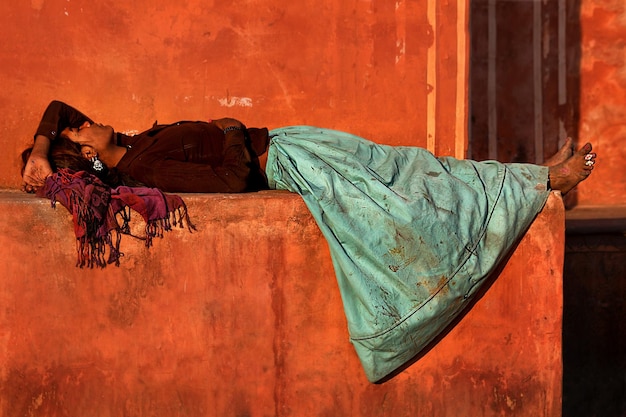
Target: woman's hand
(227, 122)
(37, 168)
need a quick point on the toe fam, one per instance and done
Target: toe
(585, 149)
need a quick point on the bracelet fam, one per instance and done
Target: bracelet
(231, 128)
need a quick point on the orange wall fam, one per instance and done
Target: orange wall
(394, 72)
(244, 318)
(603, 98)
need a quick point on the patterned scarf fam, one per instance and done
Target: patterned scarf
(97, 210)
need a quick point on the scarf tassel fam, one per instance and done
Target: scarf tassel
(100, 220)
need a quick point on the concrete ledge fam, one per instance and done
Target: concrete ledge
(244, 318)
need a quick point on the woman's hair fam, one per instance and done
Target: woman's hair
(67, 154)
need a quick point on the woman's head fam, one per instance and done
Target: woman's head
(65, 153)
(95, 135)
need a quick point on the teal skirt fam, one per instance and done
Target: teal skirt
(412, 237)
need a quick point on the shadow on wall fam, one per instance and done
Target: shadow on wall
(594, 331)
(525, 100)
(524, 79)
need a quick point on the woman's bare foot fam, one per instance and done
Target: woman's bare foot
(562, 155)
(566, 175)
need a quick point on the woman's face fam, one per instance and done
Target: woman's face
(95, 135)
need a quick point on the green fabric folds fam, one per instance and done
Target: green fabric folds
(412, 236)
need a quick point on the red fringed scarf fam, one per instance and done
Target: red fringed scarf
(95, 208)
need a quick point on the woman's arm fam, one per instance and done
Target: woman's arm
(59, 116)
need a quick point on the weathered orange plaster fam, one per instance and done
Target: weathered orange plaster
(244, 317)
(383, 70)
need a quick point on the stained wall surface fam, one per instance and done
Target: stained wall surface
(394, 72)
(244, 318)
(603, 98)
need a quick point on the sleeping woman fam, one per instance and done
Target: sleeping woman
(412, 236)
